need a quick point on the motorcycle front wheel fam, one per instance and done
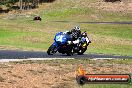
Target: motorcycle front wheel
(51, 50)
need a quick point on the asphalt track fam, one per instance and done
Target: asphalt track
(130, 22)
(14, 54)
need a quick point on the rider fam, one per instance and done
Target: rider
(75, 33)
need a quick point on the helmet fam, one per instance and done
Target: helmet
(76, 32)
(77, 28)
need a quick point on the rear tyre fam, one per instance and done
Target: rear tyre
(81, 51)
(51, 50)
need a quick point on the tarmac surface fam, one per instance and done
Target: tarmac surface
(14, 54)
(96, 22)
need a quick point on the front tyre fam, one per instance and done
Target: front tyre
(51, 50)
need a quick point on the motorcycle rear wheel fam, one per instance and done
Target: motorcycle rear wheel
(81, 51)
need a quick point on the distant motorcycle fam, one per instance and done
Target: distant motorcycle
(81, 47)
(60, 44)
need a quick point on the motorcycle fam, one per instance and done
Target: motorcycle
(81, 47)
(60, 44)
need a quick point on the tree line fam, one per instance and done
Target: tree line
(22, 4)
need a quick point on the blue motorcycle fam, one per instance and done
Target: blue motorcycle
(60, 44)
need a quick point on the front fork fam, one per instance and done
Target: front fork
(56, 47)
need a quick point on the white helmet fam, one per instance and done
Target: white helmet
(77, 28)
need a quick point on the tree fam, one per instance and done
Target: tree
(21, 4)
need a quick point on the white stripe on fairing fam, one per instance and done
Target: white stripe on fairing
(12, 60)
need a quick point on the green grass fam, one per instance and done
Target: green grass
(85, 14)
(68, 12)
(24, 33)
(111, 49)
(113, 30)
